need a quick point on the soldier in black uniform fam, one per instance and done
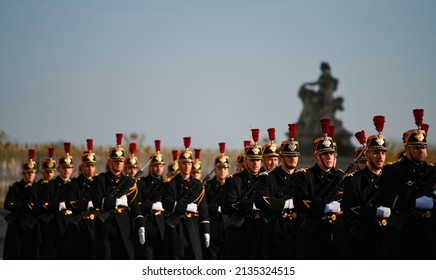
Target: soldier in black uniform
(238, 203)
(274, 196)
(119, 217)
(48, 172)
(320, 235)
(214, 197)
(366, 220)
(22, 234)
(55, 202)
(183, 198)
(80, 236)
(407, 187)
(150, 202)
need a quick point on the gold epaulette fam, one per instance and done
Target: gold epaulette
(349, 174)
(263, 173)
(301, 170)
(168, 179)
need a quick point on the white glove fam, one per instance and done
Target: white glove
(383, 212)
(141, 232)
(90, 205)
(219, 209)
(122, 201)
(192, 207)
(157, 206)
(289, 204)
(254, 207)
(424, 202)
(62, 206)
(207, 240)
(333, 207)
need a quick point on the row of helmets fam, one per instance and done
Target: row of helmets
(413, 137)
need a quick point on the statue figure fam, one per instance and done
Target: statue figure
(318, 103)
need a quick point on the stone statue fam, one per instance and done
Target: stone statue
(319, 102)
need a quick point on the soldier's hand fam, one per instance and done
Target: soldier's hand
(90, 204)
(207, 240)
(191, 207)
(424, 202)
(383, 212)
(122, 201)
(62, 206)
(332, 207)
(141, 233)
(157, 206)
(289, 204)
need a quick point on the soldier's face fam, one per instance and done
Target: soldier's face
(289, 162)
(131, 171)
(48, 175)
(376, 159)
(325, 160)
(270, 163)
(416, 154)
(221, 173)
(29, 177)
(253, 165)
(185, 168)
(88, 170)
(116, 167)
(157, 170)
(65, 172)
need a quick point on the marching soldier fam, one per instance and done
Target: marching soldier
(150, 201)
(48, 172)
(365, 218)
(196, 166)
(407, 187)
(274, 196)
(22, 234)
(320, 235)
(119, 215)
(214, 198)
(183, 198)
(55, 202)
(238, 203)
(270, 153)
(80, 236)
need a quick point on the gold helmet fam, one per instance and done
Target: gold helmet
(117, 153)
(271, 149)
(253, 151)
(67, 159)
(291, 147)
(157, 157)
(30, 165)
(88, 156)
(324, 144)
(186, 154)
(132, 160)
(196, 167)
(377, 141)
(173, 167)
(416, 137)
(222, 160)
(49, 164)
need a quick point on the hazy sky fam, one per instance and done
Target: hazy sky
(72, 70)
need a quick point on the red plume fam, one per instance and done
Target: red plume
(222, 146)
(255, 134)
(360, 136)
(325, 126)
(175, 154)
(89, 143)
(197, 153)
(292, 130)
(50, 152)
(418, 114)
(187, 142)
(425, 127)
(379, 122)
(31, 154)
(157, 145)
(331, 131)
(132, 148)
(67, 147)
(247, 143)
(272, 134)
(119, 138)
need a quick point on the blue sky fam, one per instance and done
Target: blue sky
(72, 70)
